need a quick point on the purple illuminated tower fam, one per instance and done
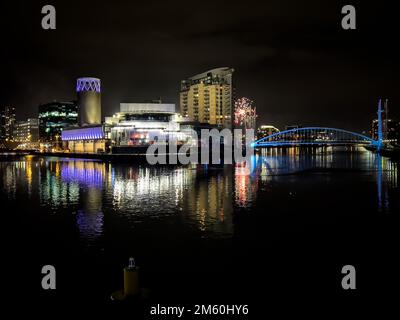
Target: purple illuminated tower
(89, 101)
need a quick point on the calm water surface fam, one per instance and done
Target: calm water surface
(195, 219)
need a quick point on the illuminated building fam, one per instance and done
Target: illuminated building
(208, 97)
(54, 117)
(7, 123)
(391, 130)
(266, 130)
(140, 124)
(27, 131)
(90, 136)
(89, 101)
(135, 125)
(88, 139)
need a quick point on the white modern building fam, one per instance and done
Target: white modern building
(139, 124)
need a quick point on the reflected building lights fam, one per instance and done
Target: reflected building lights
(87, 173)
(204, 199)
(90, 218)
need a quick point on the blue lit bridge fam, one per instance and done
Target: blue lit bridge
(314, 136)
(321, 136)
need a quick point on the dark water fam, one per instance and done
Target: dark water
(287, 224)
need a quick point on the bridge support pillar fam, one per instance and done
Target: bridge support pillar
(380, 127)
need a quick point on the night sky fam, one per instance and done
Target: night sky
(291, 57)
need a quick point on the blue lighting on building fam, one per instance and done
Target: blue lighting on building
(90, 133)
(88, 84)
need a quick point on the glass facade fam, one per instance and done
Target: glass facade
(54, 117)
(7, 123)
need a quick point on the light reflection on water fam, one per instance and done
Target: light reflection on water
(203, 199)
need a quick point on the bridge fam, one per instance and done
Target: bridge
(321, 136)
(314, 136)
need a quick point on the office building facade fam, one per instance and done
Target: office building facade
(391, 130)
(208, 97)
(54, 117)
(27, 131)
(7, 123)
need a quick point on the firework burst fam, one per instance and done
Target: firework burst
(245, 113)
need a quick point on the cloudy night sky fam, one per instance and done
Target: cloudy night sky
(291, 57)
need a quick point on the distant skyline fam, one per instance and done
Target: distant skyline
(292, 59)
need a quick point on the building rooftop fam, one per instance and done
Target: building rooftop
(147, 107)
(223, 71)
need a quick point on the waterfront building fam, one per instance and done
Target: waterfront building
(7, 123)
(139, 124)
(266, 130)
(208, 97)
(135, 125)
(27, 131)
(90, 136)
(391, 130)
(89, 101)
(87, 139)
(53, 118)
